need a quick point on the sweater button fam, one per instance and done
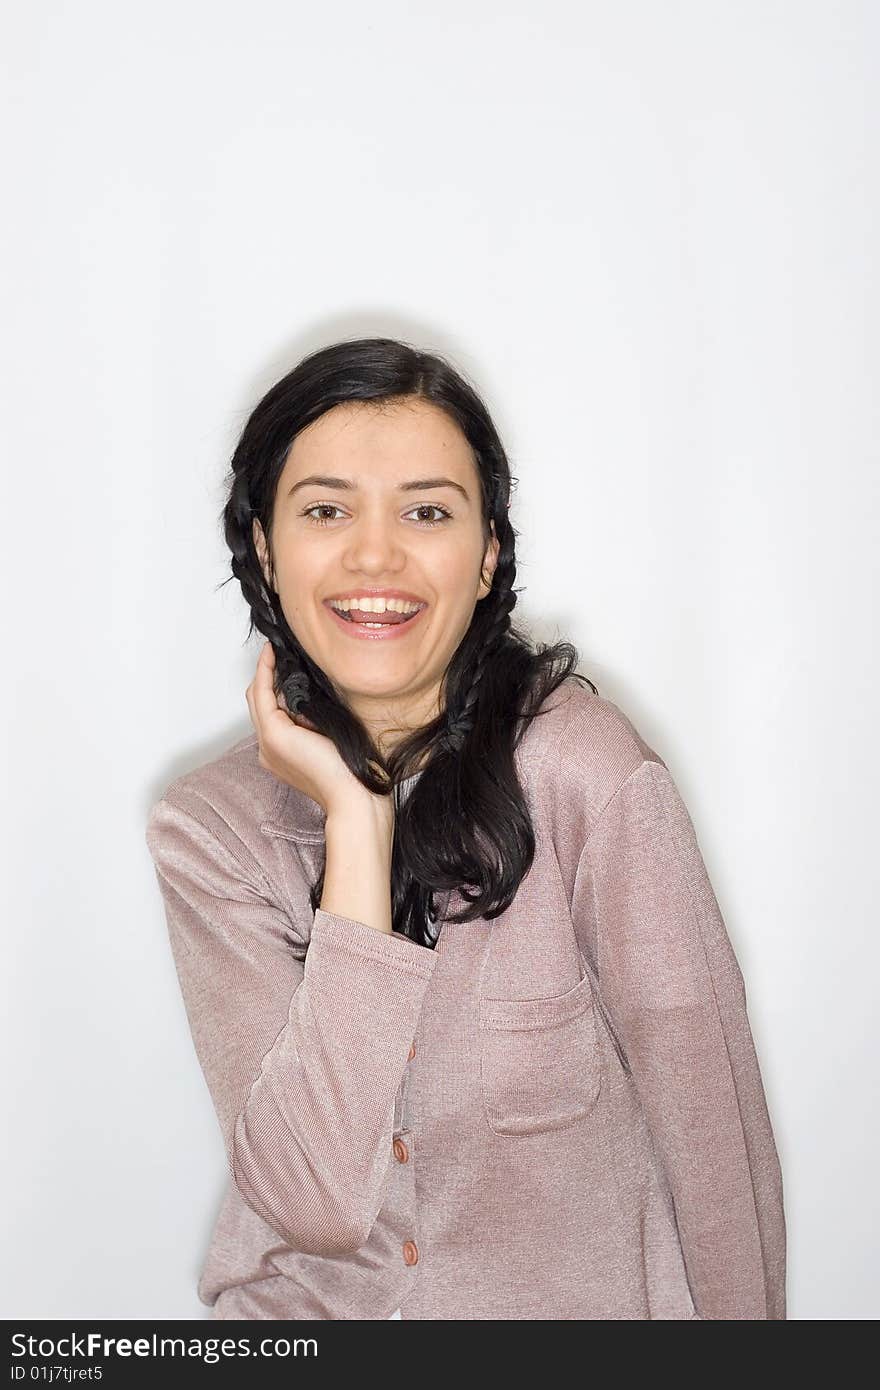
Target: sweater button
(410, 1252)
(412, 1052)
(401, 1152)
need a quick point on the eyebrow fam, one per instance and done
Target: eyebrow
(347, 485)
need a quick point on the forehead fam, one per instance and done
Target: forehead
(381, 436)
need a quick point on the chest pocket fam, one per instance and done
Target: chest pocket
(539, 1060)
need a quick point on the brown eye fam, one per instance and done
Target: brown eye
(435, 507)
(321, 506)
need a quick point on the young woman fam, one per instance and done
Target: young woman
(455, 973)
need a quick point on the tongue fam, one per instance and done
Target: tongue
(359, 615)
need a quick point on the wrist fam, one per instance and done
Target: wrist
(367, 814)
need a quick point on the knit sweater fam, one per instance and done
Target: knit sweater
(555, 1114)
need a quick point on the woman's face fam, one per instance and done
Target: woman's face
(373, 520)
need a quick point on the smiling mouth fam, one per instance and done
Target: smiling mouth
(365, 618)
(376, 626)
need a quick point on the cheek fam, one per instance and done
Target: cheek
(297, 579)
(455, 569)
(294, 590)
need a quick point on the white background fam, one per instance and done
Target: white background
(649, 233)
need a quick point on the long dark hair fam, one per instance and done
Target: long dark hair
(465, 824)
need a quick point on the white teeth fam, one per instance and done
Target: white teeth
(375, 605)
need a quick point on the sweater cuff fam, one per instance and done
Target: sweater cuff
(365, 941)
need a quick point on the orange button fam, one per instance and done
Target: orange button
(412, 1052)
(410, 1252)
(401, 1152)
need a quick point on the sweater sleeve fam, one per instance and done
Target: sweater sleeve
(303, 1043)
(673, 992)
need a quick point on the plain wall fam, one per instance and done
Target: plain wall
(648, 233)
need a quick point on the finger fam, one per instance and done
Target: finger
(266, 708)
(253, 713)
(279, 694)
(271, 663)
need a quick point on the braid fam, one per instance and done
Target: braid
(296, 690)
(291, 677)
(461, 720)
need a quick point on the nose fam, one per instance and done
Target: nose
(374, 548)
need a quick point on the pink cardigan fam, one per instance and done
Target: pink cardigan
(557, 1114)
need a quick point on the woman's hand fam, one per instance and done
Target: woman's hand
(299, 755)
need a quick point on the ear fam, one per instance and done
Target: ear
(262, 550)
(490, 560)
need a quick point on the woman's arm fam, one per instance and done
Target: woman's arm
(357, 868)
(303, 1043)
(674, 992)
